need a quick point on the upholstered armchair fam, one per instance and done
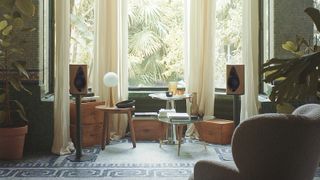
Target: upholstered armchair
(270, 147)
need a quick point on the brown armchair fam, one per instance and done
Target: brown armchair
(270, 147)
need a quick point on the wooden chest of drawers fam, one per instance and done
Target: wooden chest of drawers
(218, 131)
(92, 121)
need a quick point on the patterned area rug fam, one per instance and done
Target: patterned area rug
(119, 160)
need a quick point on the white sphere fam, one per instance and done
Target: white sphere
(110, 79)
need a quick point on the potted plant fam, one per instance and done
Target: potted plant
(297, 79)
(13, 121)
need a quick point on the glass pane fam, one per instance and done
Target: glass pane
(155, 32)
(44, 43)
(228, 38)
(82, 33)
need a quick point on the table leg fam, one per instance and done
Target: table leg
(179, 135)
(133, 136)
(107, 137)
(103, 135)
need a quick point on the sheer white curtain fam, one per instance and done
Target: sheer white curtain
(61, 137)
(249, 101)
(199, 72)
(110, 54)
(200, 52)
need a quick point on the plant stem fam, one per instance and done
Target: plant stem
(7, 120)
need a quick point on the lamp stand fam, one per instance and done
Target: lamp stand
(110, 102)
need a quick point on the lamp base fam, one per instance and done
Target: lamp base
(110, 102)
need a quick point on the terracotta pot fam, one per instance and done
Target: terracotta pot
(12, 142)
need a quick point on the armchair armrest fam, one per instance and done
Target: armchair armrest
(213, 170)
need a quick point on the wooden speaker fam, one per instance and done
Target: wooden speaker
(235, 79)
(78, 79)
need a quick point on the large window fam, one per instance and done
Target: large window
(155, 32)
(156, 40)
(82, 33)
(228, 38)
(46, 43)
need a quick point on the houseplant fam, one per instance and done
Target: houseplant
(14, 15)
(297, 79)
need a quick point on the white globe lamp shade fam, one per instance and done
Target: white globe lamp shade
(110, 79)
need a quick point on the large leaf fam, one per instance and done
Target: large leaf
(15, 83)
(25, 89)
(19, 105)
(7, 16)
(18, 22)
(21, 69)
(301, 78)
(315, 16)
(26, 7)
(16, 51)
(28, 29)
(3, 24)
(7, 30)
(22, 115)
(4, 43)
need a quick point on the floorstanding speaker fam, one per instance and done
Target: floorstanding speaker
(78, 79)
(235, 79)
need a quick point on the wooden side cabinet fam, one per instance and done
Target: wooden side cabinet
(92, 123)
(218, 131)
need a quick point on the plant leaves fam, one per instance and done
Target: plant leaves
(7, 30)
(7, 16)
(315, 16)
(290, 46)
(3, 24)
(21, 69)
(26, 7)
(19, 105)
(18, 22)
(23, 88)
(301, 78)
(15, 83)
(28, 29)
(22, 115)
(4, 43)
(17, 50)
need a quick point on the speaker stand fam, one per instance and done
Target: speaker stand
(236, 110)
(79, 157)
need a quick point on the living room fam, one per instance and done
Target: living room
(154, 48)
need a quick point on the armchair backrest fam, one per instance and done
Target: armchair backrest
(278, 146)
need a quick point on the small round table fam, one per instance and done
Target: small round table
(170, 104)
(178, 125)
(108, 111)
(170, 101)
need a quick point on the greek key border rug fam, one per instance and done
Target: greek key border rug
(110, 164)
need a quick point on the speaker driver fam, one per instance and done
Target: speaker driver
(235, 79)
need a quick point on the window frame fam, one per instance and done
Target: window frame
(50, 35)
